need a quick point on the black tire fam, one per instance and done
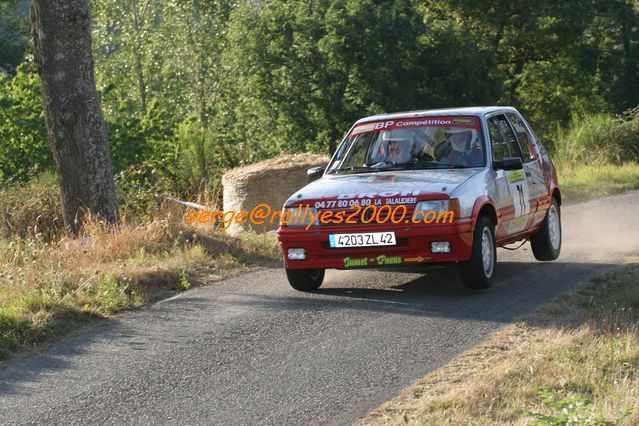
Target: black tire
(305, 279)
(546, 244)
(474, 273)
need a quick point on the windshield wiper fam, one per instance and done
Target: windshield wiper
(352, 169)
(410, 165)
(389, 166)
(418, 166)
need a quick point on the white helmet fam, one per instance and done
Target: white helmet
(402, 137)
(461, 130)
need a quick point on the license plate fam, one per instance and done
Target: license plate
(366, 239)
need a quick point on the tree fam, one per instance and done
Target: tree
(61, 31)
(307, 69)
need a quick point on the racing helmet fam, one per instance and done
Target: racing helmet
(398, 144)
(472, 135)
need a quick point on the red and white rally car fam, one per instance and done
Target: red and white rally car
(482, 168)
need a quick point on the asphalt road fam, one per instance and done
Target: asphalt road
(250, 350)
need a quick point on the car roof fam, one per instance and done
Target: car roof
(477, 110)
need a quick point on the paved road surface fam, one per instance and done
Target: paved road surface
(250, 350)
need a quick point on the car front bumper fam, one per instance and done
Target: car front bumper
(412, 248)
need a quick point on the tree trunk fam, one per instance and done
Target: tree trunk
(61, 31)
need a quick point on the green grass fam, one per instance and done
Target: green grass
(586, 182)
(598, 139)
(32, 318)
(597, 155)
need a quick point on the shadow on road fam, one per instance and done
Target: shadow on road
(520, 288)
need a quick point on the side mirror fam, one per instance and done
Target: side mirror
(315, 173)
(508, 163)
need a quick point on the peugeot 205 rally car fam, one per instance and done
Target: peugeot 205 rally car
(482, 168)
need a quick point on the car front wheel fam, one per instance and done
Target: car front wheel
(546, 244)
(479, 271)
(305, 279)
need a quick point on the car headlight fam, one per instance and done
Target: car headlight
(424, 207)
(299, 216)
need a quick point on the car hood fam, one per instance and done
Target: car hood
(417, 184)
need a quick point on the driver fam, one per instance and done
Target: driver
(459, 148)
(395, 146)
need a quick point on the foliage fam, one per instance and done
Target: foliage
(598, 139)
(309, 69)
(14, 28)
(191, 160)
(553, 93)
(190, 89)
(570, 410)
(131, 136)
(114, 296)
(554, 57)
(184, 283)
(611, 42)
(24, 150)
(299, 60)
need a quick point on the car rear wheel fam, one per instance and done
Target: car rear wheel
(305, 279)
(546, 244)
(479, 271)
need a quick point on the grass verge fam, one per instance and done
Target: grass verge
(586, 182)
(48, 289)
(575, 361)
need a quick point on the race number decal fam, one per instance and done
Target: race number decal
(519, 192)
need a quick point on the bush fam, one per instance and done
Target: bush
(626, 135)
(599, 139)
(136, 189)
(190, 162)
(32, 210)
(24, 149)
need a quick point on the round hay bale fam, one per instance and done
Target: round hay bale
(269, 182)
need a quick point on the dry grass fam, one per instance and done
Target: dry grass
(31, 210)
(48, 288)
(574, 362)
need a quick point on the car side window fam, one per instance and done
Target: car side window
(523, 137)
(502, 139)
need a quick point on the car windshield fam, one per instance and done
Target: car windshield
(420, 143)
